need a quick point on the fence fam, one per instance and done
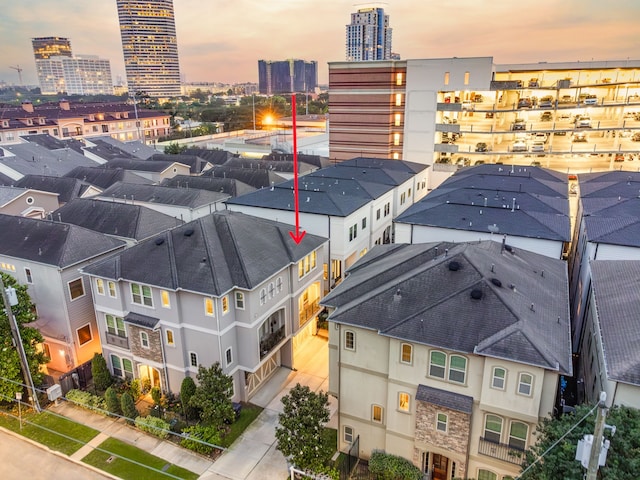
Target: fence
(79, 377)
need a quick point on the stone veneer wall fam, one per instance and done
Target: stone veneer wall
(454, 443)
(154, 352)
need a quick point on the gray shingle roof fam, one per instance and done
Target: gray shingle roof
(615, 288)
(8, 194)
(184, 197)
(142, 320)
(140, 165)
(31, 158)
(135, 148)
(410, 292)
(257, 178)
(230, 186)
(215, 157)
(105, 177)
(195, 163)
(51, 243)
(115, 218)
(52, 143)
(67, 188)
(443, 398)
(210, 255)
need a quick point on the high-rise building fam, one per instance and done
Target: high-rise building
(287, 76)
(369, 36)
(150, 47)
(59, 71)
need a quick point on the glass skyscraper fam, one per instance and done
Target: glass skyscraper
(368, 36)
(287, 76)
(150, 47)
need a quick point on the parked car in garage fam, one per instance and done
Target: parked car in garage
(579, 137)
(482, 147)
(519, 146)
(518, 124)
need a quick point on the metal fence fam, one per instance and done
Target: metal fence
(79, 377)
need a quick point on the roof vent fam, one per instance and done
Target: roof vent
(508, 248)
(188, 232)
(159, 241)
(476, 294)
(496, 282)
(454, 266)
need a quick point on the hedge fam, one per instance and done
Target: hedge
(153, 425)
(87, 400)
(392, 467)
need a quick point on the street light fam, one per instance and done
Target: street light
(19, 399)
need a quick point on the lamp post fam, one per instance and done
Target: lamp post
(19, 399)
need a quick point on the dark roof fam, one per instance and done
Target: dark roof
(615, 288)
(257, 178)
(4, 179)
(115, 218)
(51, 243)
(443, 398)
(10, 193)
(384, 164)
(184, 197)
(31, 158)
(497, 201)
(315, 160)
(52, 143)
(107, 152)
(230, 186)
(210, 255)
(105, 177)
(141, 320)
(195, 163)
(618, 184)
(134, 148)
(616, 222)
(522, 315)
(67, 188)
(214, 157)
(284, 167)
(140, 165)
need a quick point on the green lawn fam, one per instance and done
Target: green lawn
(42, 428)
(247, 415)
(127, 469)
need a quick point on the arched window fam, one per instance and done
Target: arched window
(525, 383)
(263, 296)
(457, 369)
(498, 378)
(493, 428)
(406, 355)
(486, 475)
(518, 435)
(437, 364)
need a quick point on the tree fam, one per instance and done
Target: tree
(174, 148)
(187, 389)
(10, 368)
(101, 375)
(213, 396)
(623, 460)
(113, 403)
(299, 434)
(128, 407)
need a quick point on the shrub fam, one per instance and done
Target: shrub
(155, 426)
(134, 388)
(112, 401)
(156, 395)
(87, 400)
(100, 372)
(128, 406)
(208, 434)
(187, 389)
(391, 467)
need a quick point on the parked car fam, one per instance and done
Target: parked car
(519, 146)
(635, 98)
(540, 137)
(583, 121)
(518, 124)
(537, 147)
(546, 101)
(546, 117)
(619, 157)
(482, 147)
(468, 105)
(525, 102)
(479, 162)
(533, 83)
(635, 137)
(579, 137)
(477, 98)
(590, 100)
(560, 133)
(488, 115)
(566, 99)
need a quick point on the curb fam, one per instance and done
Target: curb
(58, 454)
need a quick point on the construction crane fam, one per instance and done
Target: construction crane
(19, 70)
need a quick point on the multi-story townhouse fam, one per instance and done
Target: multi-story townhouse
(225, 288)
(27, 202)
(448, 354)
(609, 354)
(527, 204)
(352, 203)
(45, 256)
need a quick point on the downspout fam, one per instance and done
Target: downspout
(329, 262)
(164, 362)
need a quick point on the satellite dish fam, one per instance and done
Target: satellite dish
(493, 228)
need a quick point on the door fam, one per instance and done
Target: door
(440, 467)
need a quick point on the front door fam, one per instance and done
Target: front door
(440, 467)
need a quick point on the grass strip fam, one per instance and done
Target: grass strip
(247, 415)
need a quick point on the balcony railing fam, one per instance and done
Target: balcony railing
(309, 311)
(268, 342)
(500, 451)
(117, 340)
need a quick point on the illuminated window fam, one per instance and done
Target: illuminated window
(112, 289)
(441, 422)
(208, 307)
(399, 78)
(76, 289)
(486, 475)
(446, 78)
(84, 334)
(403, 401)
(225, 304)
(396, 139)
(99, 286)
(398, 99)
(166, 302)
(398, 118)
(376, 413)
(168, 335)
(406, 353)
(466, 78)
(396, 156)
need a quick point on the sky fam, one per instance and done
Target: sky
(222, 40)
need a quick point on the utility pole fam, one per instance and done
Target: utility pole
(17, 339)
(598, 434)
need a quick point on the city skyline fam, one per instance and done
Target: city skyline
(224, 42)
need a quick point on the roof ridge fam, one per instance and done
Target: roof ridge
(235, 247)
(172, 259)
(207, 248)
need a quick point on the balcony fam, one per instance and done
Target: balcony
(117, 340)
(268, 342)
(309, 311)
(500, 451)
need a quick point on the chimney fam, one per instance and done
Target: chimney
(27, 106)
(64, 105)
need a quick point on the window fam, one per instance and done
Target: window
(409, 192)
(76, 289)
(446, 78)
(144, 339)
(397, 119)
(376, 413)
(115, 326)
(271, 289)
(127, 366)
(240, 300)
(112, 289)
(279, 282)
(406, 355)
(168, 335)
(348, 434)
(403, 401)
(116, 365)
(208, 307)
(524, 385)
(353, 232)
(499, 375)
(492, 428)
(263, 296)
(396, 139)
(403, 198)
(27, 273)
(398, 99)
(164, 297)
(387, 209)
(349, 340)
(364, 223)
(399, 78)
(437, 364)
(314, 259)
(193, 359)
(518, 435)
(225, 304)
(228, 355)
(441, 422)
(466, 78)
(99, 286)
(378, 214)
(486, 475)
(141, 295)
(457, 369)
(84, 334)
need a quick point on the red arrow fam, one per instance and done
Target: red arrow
(298, 235)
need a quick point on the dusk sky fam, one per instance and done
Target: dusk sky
(222, 41)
